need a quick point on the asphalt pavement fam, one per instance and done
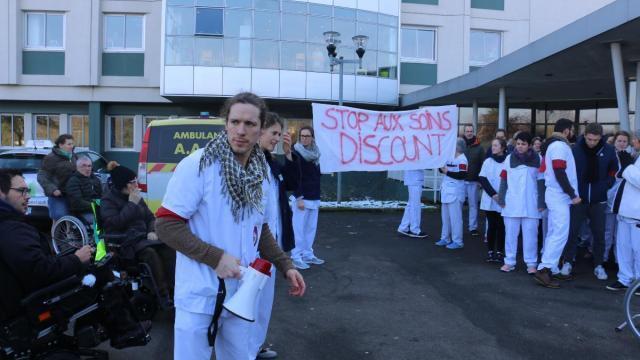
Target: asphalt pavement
(384, 296)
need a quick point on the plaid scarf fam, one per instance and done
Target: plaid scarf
(242, 185)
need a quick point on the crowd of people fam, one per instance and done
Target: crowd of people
(554, 194)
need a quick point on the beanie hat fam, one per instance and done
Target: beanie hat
(120, 175)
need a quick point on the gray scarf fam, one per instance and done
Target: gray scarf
(310, 153)
(242, 185)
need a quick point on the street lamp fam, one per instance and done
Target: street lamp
(332, 38)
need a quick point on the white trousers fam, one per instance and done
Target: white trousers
(190, 337)
(557, 233)
(263, 313)
(628, 252)
(305, 223)
(529, 227)
(452, 222)
(610, 229)
(471, 189)
(412, 212)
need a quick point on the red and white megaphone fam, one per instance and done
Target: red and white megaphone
(243, 303)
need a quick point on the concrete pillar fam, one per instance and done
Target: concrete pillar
(96, 130)
(636, 123)
(474, 118)
(502, 109)
(621, 92)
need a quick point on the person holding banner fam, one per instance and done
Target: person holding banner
(282, 178)
(452, 194)
(307, 200)
(410, 224)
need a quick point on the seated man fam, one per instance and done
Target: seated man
(123, 211)
(27, 263)
(82, 188)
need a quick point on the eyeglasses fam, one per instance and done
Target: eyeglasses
(305, 136)
(134, 181)
(24, 191)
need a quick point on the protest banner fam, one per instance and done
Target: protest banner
(352, 139)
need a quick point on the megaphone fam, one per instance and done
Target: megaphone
(243, 303)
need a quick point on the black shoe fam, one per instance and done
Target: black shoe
(418, 235)
(499, 257)
(491, 257)
(138, 336)
(404, 232)
(474, 233)
(617, 286)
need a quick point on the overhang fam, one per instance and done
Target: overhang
(569, 68)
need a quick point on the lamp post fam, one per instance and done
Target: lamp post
(332, 38)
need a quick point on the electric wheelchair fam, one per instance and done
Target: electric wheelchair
(70, 233)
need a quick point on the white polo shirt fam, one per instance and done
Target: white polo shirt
(198, 198)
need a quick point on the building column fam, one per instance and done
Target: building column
(502, 109)
(636, 123)
(96, 130)
(474, 118)
(621, 93)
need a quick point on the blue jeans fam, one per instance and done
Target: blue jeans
(57, 207)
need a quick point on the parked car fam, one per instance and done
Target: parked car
(29, 160)
(165, 143)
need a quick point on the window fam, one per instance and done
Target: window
(294, 27)
(208, 51)
(44, 31)
(180, 21)
(179, 50)
(237, 23)
(208, 21)
(292, 56)
(318, 60)
(317, 26)
(121, 132)
(237, 52)
(387, 38)
(79, 128)
(418, 45)
(265, 54)
(485, 47)
(123, 32)
(11, 130)
(267, 25)
(47, 127)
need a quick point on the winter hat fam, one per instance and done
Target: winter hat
(120, 175)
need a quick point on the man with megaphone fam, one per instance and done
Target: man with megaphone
(215, 214)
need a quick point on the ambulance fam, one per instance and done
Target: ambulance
(165, 143)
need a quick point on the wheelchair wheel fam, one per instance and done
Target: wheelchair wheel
(68, 233)
(632, 307)
(145, 305)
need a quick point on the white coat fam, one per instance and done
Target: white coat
(491, 170)
(559, 152)
(452, 189)
(521, 200)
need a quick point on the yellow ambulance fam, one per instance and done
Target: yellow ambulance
(165, 143)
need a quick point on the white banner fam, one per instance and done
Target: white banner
(352, 139)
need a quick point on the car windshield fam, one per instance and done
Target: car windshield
(24, 162)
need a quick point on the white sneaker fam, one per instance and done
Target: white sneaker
(566, 269)
(313, 260)
(301, 265)
(600, 273)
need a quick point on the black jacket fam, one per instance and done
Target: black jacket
(288, 177)
(309, 186)
(607, 166)
(27, 263)
(80, 190)
(475, 157)
(120, 216)
(55, 171)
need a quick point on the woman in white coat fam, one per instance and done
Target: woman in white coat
(490, 181)
(522, 203)
(410, 224)
(621, 143)
(452, 195)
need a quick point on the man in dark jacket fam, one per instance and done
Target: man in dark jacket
(26, 261)
(475, 156)
(596, 166)
(82, 188)
(123, 211)
(57, 166)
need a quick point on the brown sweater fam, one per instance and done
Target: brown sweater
(177, 235)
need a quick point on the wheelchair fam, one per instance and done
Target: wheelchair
(63, 320)
(70, 233)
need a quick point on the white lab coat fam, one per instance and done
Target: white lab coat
(197, 197)
(453, 189)
(521, 199)
(491, 170)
